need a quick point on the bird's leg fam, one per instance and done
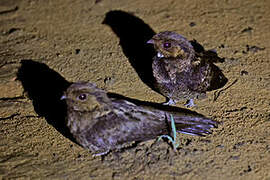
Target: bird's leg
(173, 139)
(169, 102)
(190, 103)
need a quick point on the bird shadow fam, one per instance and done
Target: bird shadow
(45, 87)
(133, 34)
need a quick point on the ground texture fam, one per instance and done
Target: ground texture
(45, 43)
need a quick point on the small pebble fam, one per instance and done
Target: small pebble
(243, 72)
(77, 51)
(192, 24)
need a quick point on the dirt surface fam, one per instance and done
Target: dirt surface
(66, 40)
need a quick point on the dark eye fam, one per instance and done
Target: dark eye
(82, 97)
(167, 45)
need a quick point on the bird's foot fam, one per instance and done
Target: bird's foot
(169, 102)
(190, 103)
(173, 139)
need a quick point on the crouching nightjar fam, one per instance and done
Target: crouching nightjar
(104, 122)
(183, 70)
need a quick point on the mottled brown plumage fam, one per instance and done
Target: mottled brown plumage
(102, 121)
(183, 69)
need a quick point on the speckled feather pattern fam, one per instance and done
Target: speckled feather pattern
(101, 124)
(184, 72)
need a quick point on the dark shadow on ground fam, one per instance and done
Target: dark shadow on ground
(133, 34)
(45, 87)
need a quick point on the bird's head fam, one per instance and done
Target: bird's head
(86, 97)
(171, 45)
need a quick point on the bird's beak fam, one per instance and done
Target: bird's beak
(151, 41)
(63, 97)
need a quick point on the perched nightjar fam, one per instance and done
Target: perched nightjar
(183, 69)
(103, 122)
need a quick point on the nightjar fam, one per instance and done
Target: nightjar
(183, 69)
(103, 122)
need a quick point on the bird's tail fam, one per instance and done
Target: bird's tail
(193, 125)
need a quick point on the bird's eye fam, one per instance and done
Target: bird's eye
(82, 97)
(167, 45)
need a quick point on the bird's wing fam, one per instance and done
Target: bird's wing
(205, 55)
(127, 123)
(154, 122)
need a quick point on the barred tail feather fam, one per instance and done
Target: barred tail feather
(199, 126)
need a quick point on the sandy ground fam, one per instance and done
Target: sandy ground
(66, 40)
